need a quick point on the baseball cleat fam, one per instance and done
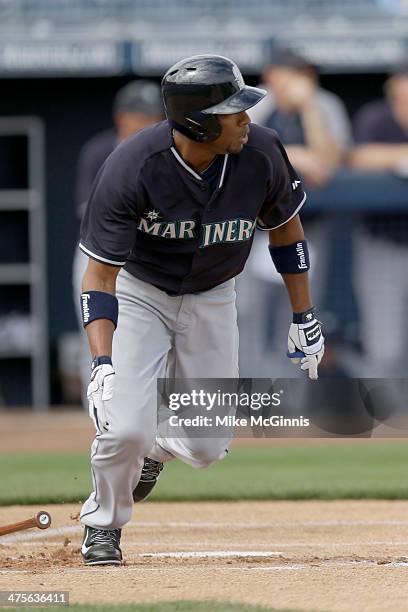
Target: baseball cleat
(101, 546)
(150, 473)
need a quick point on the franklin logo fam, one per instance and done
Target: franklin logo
(85, 307)
(301, 254)
(295, 184)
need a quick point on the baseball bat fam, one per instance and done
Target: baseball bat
(42, 520)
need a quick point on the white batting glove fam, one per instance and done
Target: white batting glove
(100, 390)
(306, 342)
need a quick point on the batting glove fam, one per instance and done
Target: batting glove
(306, 342)
(100, 390)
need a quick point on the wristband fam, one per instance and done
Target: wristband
(101, 360)
(304, 317)
(292, 258)
(99, 305)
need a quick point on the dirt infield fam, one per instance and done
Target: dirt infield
(332, 556)
(27, 431)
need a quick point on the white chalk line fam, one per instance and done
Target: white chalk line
(84, 570)
(242, 525)
(211, 554)
(196, 543)
(204, 554)
(223, 568)
(203, 524)
(230, 525)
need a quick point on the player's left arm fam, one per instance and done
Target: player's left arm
(279, 214)
(297, 285)
(288, 249)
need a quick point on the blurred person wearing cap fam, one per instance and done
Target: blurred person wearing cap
(136, 105)
(312, 123)
(381, 246)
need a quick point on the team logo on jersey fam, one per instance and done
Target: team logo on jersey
(231, 230)
(152, 215)
(176, 230)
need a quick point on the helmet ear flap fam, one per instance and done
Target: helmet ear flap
(205, 128)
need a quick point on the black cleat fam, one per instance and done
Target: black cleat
(101, 546)
(150, 473)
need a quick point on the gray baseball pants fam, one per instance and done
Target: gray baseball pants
(158, 336)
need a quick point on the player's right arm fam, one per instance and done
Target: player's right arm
(98, 299)
(107, 237)
(100, 277)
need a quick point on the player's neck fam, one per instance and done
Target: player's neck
(194, 153)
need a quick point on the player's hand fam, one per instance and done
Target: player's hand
(100, 390)
(306, 342)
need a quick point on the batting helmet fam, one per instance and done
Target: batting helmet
(198, 88)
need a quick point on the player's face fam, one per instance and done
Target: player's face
(234, 133)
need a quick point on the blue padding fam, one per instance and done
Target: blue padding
(292, 258)
(296, 355)
(99, 305)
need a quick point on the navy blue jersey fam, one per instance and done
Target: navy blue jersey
(152, 213)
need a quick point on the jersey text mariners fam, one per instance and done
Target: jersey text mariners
(180, 230)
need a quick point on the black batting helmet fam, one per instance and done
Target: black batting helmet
(198, 88)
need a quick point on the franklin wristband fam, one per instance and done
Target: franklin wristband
(99, 305)
(292, 258)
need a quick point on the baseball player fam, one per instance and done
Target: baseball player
(168, 226)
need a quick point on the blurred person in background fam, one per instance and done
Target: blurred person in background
(311, 122)
(315, 129)
(136, 106)
(381, 249)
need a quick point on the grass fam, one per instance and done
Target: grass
(376, 471)
(174, 606)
